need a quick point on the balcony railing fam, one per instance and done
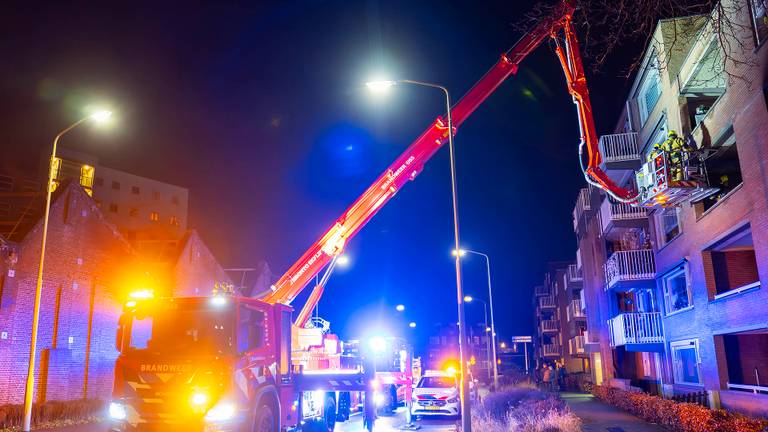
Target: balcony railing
(547, 302)
(631, 265)
(576, 345)
(619, 147)
(574, 275)
(636, 328)
(613, 211)
(575, 310)
(582, 205)
(550, 349)
(549, 326)
(541, 290)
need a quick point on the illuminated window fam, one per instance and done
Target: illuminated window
(133, 212)
(113, 207)
(175, 221)
(135, 190)
(154, 216)
(115, 185)
(685, 361)
(98, 181)
(677, 290)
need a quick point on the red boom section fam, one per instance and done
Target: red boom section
(412, 161)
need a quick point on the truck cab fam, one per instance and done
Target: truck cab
(203, 363)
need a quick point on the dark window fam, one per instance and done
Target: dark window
(115, 185)
(669, 224)
(98, 181)
(133, 212)
(732, 263)
(156, 195)
(723, 172)
(5, 209)
(250, 334)
(174, 199)
(135, 190)
(113, 208)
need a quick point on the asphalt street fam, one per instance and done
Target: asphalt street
(354, 424)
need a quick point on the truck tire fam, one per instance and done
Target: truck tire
(329, 414)
(264, 420)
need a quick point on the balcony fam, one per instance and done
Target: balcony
(617, 218)
(575, 311)
(627, 270)
(576, 346)
(637, 331)
(620, 152)
(583, 205)
(547, 302)
(550, 350)
(550, 326)
(541, 290)
(573, 277)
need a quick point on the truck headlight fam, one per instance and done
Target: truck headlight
(220, 412)
(117, 411)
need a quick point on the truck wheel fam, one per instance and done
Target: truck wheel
(329, 414)
(265, 420)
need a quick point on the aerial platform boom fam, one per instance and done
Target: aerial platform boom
(558, 26)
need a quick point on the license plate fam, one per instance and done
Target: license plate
(430, 407)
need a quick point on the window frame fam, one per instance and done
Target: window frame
(729, 238)
(661, 233)
(677, 374)
(651, 74)
(676, 271)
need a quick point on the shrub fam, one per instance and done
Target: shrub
(524, 409)
(681, 417)
(50, 412)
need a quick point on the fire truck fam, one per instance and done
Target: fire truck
(231, 363)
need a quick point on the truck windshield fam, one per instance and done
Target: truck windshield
(175, 328)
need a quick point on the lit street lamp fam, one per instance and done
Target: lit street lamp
(382, 86)
(488, 337)
(458, 253)
(99, 116)
(400, 308)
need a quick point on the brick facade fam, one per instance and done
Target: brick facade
(719, 311)
(89, 270)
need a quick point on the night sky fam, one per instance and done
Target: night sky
(260, 110)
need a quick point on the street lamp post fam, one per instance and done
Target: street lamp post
(30, 382)
(459, 253)
(469, 299)
(466, 420)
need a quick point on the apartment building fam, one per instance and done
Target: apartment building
(675, 295)
(443, 348)
(561, 325)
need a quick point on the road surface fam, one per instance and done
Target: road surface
(354, 424)
(393, 423)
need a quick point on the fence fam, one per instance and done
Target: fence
(698, 398)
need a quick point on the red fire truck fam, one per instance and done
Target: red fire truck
(226, 363)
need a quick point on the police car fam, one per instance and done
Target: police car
(437, 393)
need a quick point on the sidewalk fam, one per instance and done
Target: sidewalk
(599, 417)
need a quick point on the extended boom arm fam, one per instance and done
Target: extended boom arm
(412, 161)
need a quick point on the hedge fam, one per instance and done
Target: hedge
(76, 411)
(679, 417)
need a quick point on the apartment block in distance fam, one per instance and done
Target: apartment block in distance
(676, 296)
(561, 325)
